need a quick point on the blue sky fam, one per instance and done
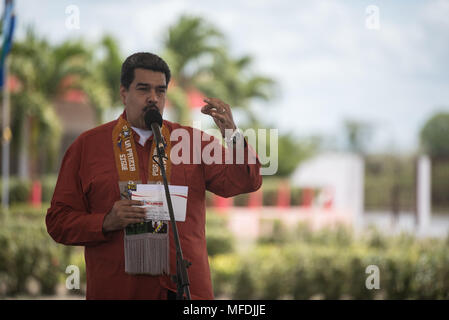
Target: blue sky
(328, 64)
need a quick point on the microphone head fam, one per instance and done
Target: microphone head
(152, 115)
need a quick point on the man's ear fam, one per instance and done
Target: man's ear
(123, 93)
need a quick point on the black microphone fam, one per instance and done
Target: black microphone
(153, 121)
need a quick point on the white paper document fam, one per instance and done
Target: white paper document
(153, 195)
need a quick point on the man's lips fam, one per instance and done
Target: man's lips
(150, 108)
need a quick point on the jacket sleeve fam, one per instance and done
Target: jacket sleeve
(68, 220)
(238, 172)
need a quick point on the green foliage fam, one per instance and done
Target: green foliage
(292, 151)
(48, 187)
(27, 252)
(199, 58)
(278, 234)
(297, 263)
(331, 264)
(440, 185)
(20, 189)
(45, 73)
(110, 66)
(389, 182)
(219, 239)
(434, 135)
(288, 150)
(243, 283)
(228, 264)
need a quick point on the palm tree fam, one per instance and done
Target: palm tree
(232, 79)
(189, 45)
(30, 104)
(199, 58)
(45, 73)
(109, 67)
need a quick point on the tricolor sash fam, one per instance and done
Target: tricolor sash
(147, 243)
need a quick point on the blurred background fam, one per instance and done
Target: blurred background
(359, 94)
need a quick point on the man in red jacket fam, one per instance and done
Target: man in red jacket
(90, 208)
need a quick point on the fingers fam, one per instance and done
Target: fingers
(130, 206)
(124, 213)
(208, 109)
(134, 209)
(214, 103)
(131, 203)
(127, 210)
(129, 218)
(133, 214)
(219, 117)
(132, 221)
(217, 109)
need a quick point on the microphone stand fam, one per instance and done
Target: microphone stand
(181, 278)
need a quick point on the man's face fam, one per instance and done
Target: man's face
(147, 90)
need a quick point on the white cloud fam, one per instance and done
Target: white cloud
(436, 13)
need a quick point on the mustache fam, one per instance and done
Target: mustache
(149, 107)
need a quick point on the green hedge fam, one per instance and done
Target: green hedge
(20, 190)
(331, 264)
(28, 253)
(285, 263)
(218, 237)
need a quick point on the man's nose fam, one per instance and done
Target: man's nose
(152, 96)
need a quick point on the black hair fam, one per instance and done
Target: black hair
(144, 60)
